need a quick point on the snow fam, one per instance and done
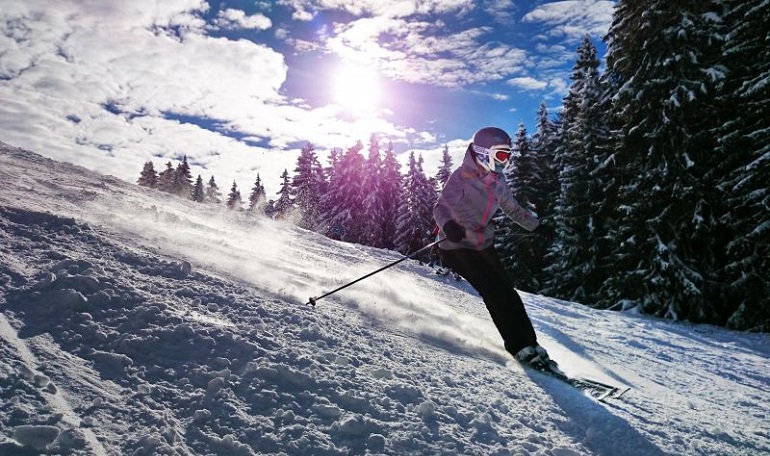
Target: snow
(134, 324)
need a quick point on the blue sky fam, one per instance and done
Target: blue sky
(240, 86)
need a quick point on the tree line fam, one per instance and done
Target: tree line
(360, 196)
(651, 180)
(178, 181)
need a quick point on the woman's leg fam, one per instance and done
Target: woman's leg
(484, 271)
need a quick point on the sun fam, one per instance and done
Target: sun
(357, 89)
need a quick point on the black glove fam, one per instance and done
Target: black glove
(454, 231)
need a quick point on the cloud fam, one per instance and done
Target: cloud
(426, 52)
(107, 84)
(305, 10)
(528, 83)
(237, 19)
(574, 18)
(412, 42)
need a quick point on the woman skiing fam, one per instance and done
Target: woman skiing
(464, 211)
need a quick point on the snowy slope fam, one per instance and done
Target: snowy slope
(132, 324)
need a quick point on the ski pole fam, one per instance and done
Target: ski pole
(312, 300)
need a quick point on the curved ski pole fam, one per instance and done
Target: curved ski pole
(313, 300)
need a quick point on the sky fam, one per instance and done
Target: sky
(240, 86)
(131, 323)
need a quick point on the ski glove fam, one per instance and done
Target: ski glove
(454, 231)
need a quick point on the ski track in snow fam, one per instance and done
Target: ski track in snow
(132, 324)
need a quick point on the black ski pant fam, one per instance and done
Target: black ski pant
(485, 272)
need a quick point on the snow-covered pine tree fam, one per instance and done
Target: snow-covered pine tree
(257, 198)
(284, 206)
(543, 192)
(183, 183)
(442, 176)
(234, 200)
(307, 186)
(574, 272)
(212, 192)
(198, 193)
(148, 176)
(445, 168)
(342, 204)
(415, 222)
(545, 187)
(166, 179)
(664, 58)
(334, 157)
(744, 141)
(427, 194)
(390, 188)
(373, 195)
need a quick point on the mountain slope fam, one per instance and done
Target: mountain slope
(132, 324)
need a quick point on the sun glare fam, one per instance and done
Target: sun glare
(357, 89)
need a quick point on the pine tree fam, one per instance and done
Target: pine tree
(415, 220)
(258, 197)
(545, 187)
(234, 200)
(662, 58)
(390, 192)
(284, 206)
(182, 180)
(545, 190)
(427, 194)
(198, 194)
(445, 169)
(442, 176)
(334, 158)
(148, 177)
(372, 187)
(166, 179)
(574, 270)
(307, 186)
(212, 192)
(744, 142)
(342, 204)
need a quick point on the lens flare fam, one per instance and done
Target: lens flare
(357, 89)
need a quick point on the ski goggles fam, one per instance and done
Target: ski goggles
(501, 153)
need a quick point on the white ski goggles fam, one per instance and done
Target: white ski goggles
(501, 153)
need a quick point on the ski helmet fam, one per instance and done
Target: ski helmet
(492, 148)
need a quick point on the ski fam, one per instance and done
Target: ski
(600, 391)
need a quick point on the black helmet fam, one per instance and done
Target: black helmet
(492, 148)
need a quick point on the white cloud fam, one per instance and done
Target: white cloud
(237, 19)
(305, 10)
(425, 52)
(528, 83)
(574, 18)
(409, 41)
(117, 69)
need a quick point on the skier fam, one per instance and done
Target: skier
(464, 212)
